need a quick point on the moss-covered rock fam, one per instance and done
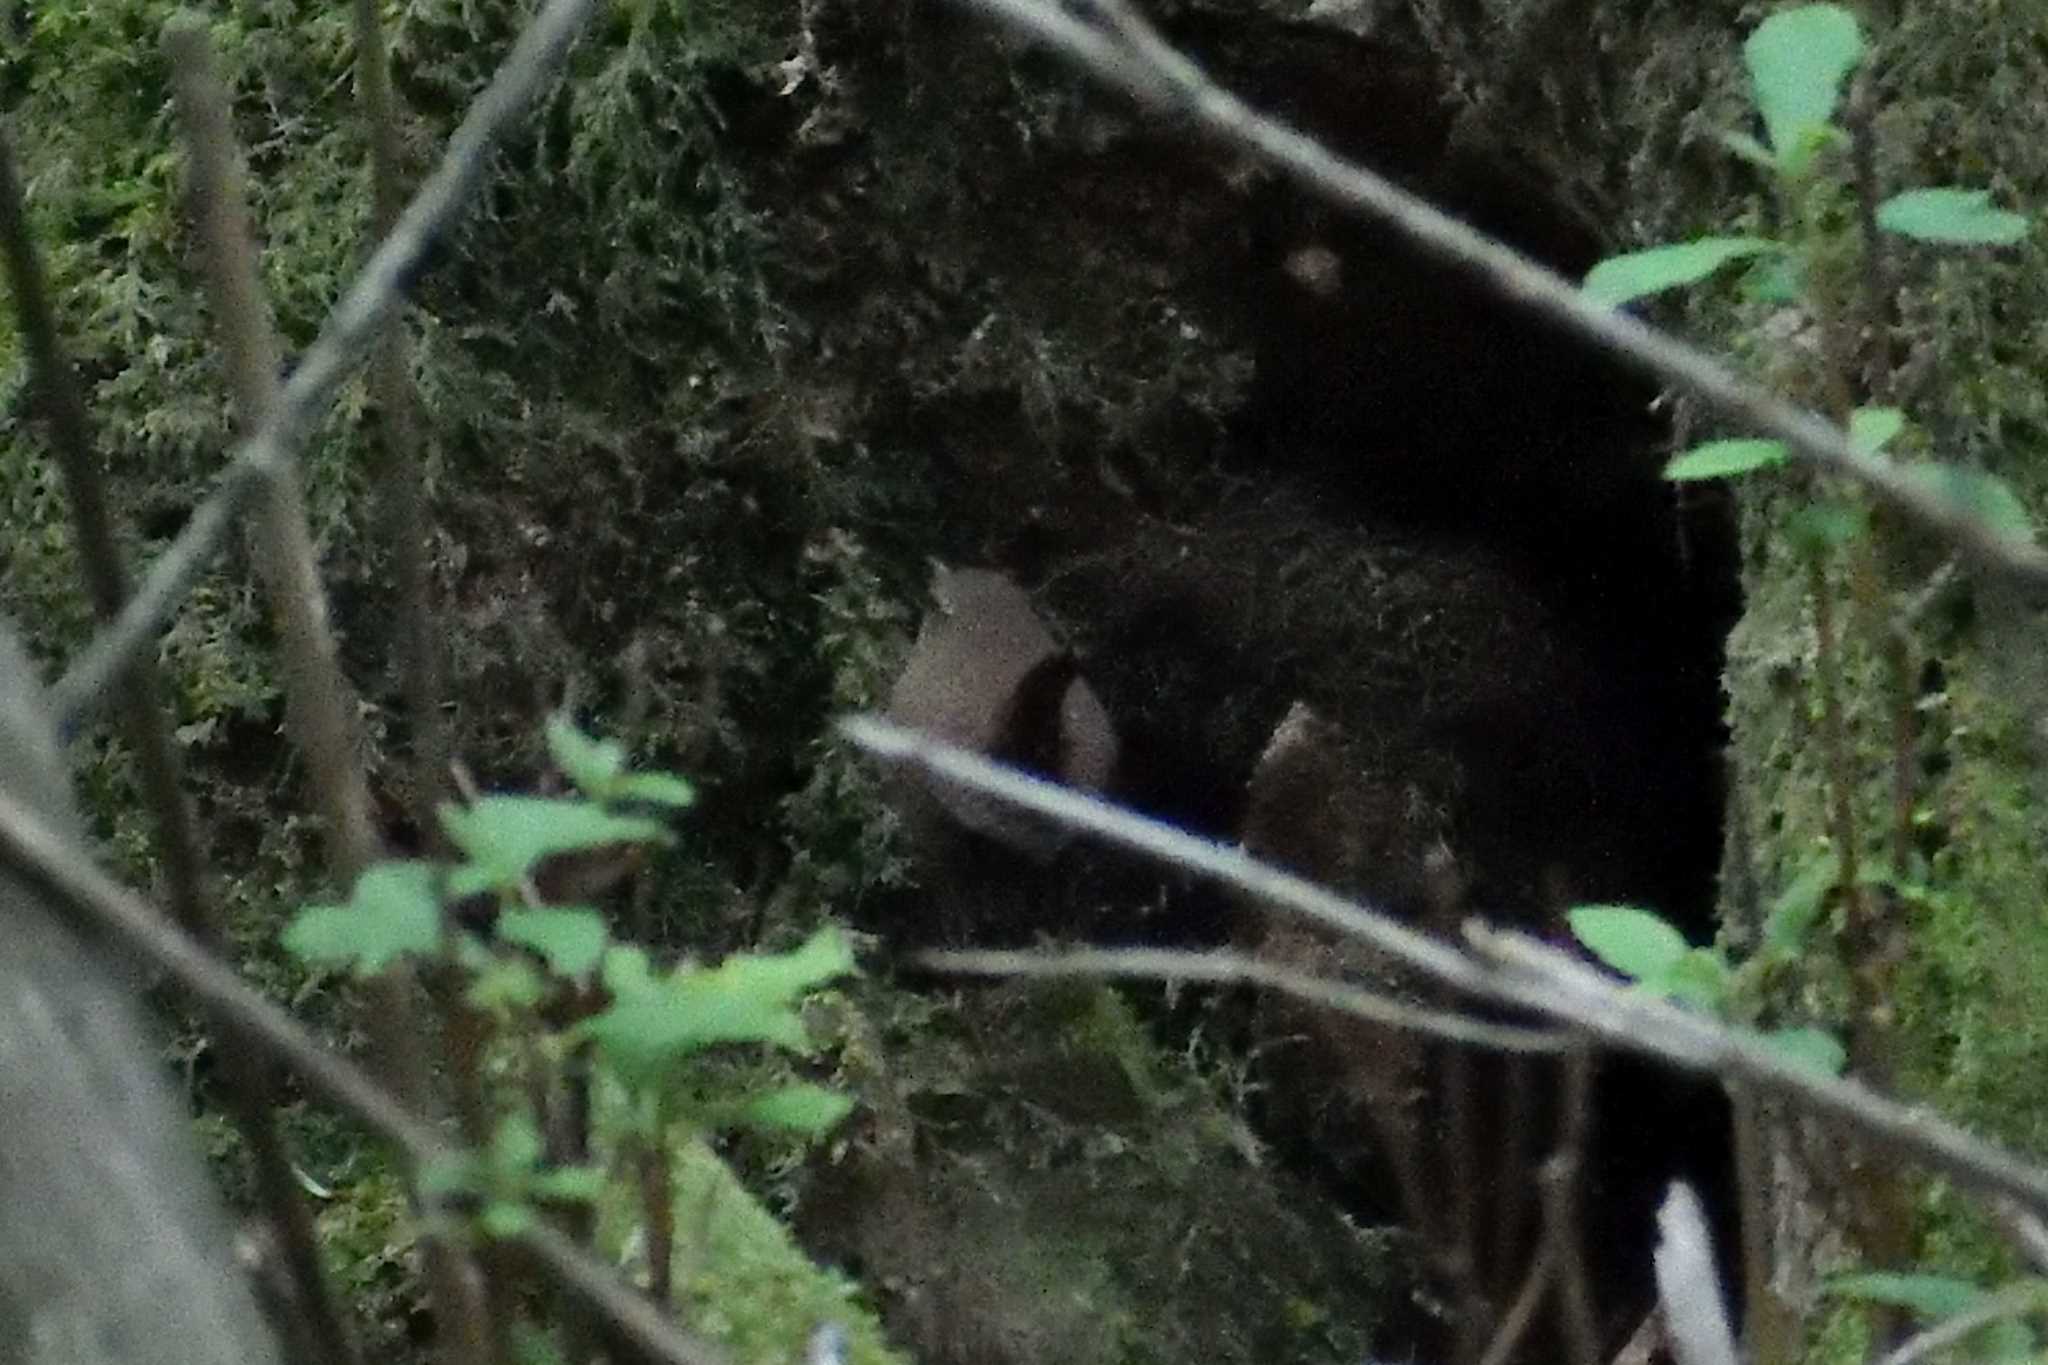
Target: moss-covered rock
(1035, 1181)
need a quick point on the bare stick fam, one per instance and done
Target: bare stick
(1135, 60)
(2011, 1302)
(400, 481)
(1509, 1205)
(318, 1329)
(407, 524)
(1228, 968)
(1575, 992)
(2029, 1233)
(1878, 300)
(342, 342)
(1767, 1323)
(1222, 862)
(1521, 1314)
(1558, 1180)
(29, 844)
(1473, 1315)
(1511, 968)
(320, 706)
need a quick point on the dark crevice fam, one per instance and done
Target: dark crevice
(1398, 400)
(1420, 406)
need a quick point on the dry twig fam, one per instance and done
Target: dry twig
(2011, 1302)
(320, 706)
(28, 844)
(320, 1333)
(1509, 968)
(347, 335)
(1129, 56)
(1236, 969)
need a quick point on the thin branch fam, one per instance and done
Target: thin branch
(1767, 1322)
(41, 854)
(1559, 1181)
(1521, 1314)
(402, 482)
(2028, 1232)
(343, 340)
(1222, 862)
(401, 500)
(1510, 968)
(1135, 60)
(318, 1328)
(1472, 1309)
(1878, 299)
(2010, 1302)
(1510, 1206)
(1236, 969)
(320, 706)
(1576, 992)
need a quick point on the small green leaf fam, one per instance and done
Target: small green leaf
(1951, 217)
(1872, 429)
(454, 1173)
(504, 1219)
(1824, 523)
(506, 984)
(1798, 906)
(1972, 492)
(1699, 978)
(1808, 1047)
(642, 1038)
(1778, 280)
(570, 1184)
(515, 1145)
(1750, 150)
(598, 768)
(591, 763)
(393, 911)
(1620, 279)
(1797, 59)
(505, 837)
(571, 941)
(659, 789)
(626, 971)
(808, 1109)
(1720, 459)
(1928, 1296)
(1634, 942)
(1934, 1298)
(748, 998)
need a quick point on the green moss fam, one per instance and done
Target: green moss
(739, 1279)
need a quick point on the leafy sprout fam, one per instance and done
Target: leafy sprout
(1798, 61)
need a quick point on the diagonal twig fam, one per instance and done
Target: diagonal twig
(407, 523)
(344, 339)
(321, 711)
(1511, 968)
(1228, 968)
(321, 1333)
(1131, 57)
(2011, 1302)
(41, 854)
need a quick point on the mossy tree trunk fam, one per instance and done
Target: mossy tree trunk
(1934, 971)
